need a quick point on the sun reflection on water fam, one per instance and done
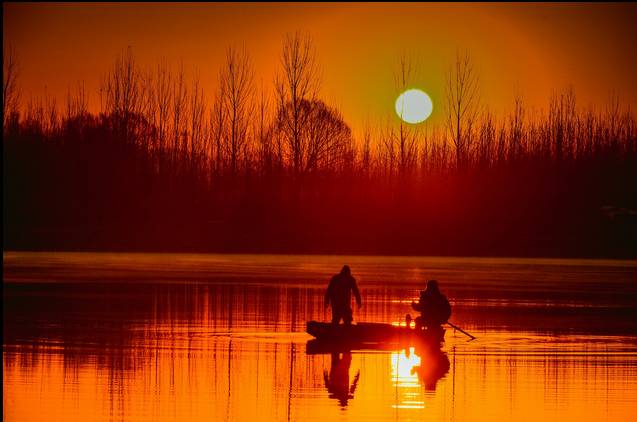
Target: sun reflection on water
(237, 352)
(405, 379)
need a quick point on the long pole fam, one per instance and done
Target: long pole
(461, 330)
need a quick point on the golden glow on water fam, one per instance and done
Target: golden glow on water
(247, 380)
(402, 365)
(237, 352)
(405, 379)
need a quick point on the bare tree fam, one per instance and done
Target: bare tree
(366, 153)
(52, 114)
(561, 121)
(387, 150)
(516, 128)
(485, 140)
(217, 124)
(326, 139)
(179, 103)
(162, 99)
(10, 92)
(124, 93)
(236, 85)
(77, 103)
(265, 147)
(407, 145)
(463, 104)
(196, 111)
(296, 84)
(613, 116)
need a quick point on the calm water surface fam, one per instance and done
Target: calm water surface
(221, 337)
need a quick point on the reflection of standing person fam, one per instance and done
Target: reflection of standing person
(338, 294)
(337, 382)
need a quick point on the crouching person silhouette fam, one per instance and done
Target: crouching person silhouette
(433, 306)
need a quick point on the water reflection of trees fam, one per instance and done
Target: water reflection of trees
(120, 324)
(137, 346)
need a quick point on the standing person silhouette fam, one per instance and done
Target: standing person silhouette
(338, 294)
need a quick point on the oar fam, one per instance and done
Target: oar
(461, 330)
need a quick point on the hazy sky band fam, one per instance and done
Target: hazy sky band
(533, 49)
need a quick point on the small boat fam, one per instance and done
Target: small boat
(366, 335)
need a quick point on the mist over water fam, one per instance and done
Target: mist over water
(221, 337)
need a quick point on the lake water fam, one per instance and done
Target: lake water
(221, 338)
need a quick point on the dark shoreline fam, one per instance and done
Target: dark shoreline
(621, 244)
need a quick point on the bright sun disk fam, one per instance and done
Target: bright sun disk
(414, 106)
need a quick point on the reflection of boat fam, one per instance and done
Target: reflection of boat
(368, 336)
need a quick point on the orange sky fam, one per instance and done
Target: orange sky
(531, 48)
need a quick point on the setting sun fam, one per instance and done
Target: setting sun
(414, 106)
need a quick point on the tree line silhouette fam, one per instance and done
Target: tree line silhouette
(167, 166)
